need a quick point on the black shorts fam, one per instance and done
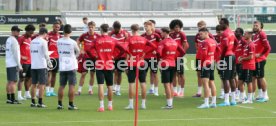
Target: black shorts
(131, 74)
(67, 76)
(151, 64)
(208, 72)
(105, 75)
(228, 69)
(55, 63)
(197, 65)
(239, 70)
(89, 65)
(39, 76)
(120, 65)
(26, 71)
(167, 75)
(179, 68)
(12, 74)
(259, 72)
(246, 76)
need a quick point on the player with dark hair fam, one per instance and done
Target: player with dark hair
(120, 35)
(13, 65)
(137, 49)
(238, 53)
(40, 62)
(53, 36)
(167, 49)
(105, 46)
(181, 39)
(207, 51)
(198, 42)
(68, 53)
(150, 58)
(25, 75)
(85, 62)
(262, 48)
(228, 58)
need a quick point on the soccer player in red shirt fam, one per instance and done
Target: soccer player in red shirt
(150, 58)
(228, 63)
(87, 63)
(198, 42)
(247, 59)
(238, 53)
(181, 39)
(262, 48)
(167, 49)
(207, 50)
(137, 50)
(25, 75)
(120, 35)
(158, 31)
(105, 46)
(53, 36)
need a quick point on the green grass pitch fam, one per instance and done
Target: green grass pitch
(184, 113)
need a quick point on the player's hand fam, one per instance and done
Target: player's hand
(240, 59)
(50, 65)
(82, 52)
(20, 69)
(24, 58)
(258, 55)
(154, 52)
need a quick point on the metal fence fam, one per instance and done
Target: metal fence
(118, 5)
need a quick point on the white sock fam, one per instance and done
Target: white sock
(52, 89)
(226, 97)
(47, 89)
(174, 89)
(222, 92)
(144, 102)
(37, 92)
(241, 96)
(156, 90)
(206, 101)
(214, 100)
(101, 104)
(199, 90)
(233, 97)
(109, 103)
(151, 86)
(181, 90)
(244, 94)
(260, 93)
(80, 88)
(130, 102)
(118, 88)
(250, 97)
(90, 88)
(115, 87)
(170, 102)
(27, 93)
(265, 94)
(19, 94)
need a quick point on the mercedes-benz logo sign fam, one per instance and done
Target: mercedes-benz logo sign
(2, 19)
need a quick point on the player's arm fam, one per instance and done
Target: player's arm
(76, 49)
(153, 47)
(204, 50)
(223, 45)
(46, 54)
(265, 44)
(92, 48)
(16, 53)
(160, 50)
(121, 48)
(184, 42)
(181, 51)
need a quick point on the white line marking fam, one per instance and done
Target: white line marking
(245, 107)
(152, 120)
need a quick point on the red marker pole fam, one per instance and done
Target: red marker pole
(136, 95)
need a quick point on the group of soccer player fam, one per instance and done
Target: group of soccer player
(239, 57)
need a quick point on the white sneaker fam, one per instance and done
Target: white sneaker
(143, 106)
(20, 98)
(221, 96)
(28, 96)
(129, 107)
(247, 102)
(203, 106)
(156, 94)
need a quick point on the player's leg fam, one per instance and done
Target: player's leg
(199, 84)
(109, 82)
(81, 82)
(241, 87)
(72, 82)
(154, 71)
(35, 81)
(248, 80)
(11, 85)
(181, 79)
(42, 76)
(232, 69)
(205, 75)
(167, 75)
(91, 82)
(100, 80)
(131, 80)
(212, 86)
(142, 79)
(226, 76)
(53, 83)
(261, 79)
(62, 81)
(48, 85)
